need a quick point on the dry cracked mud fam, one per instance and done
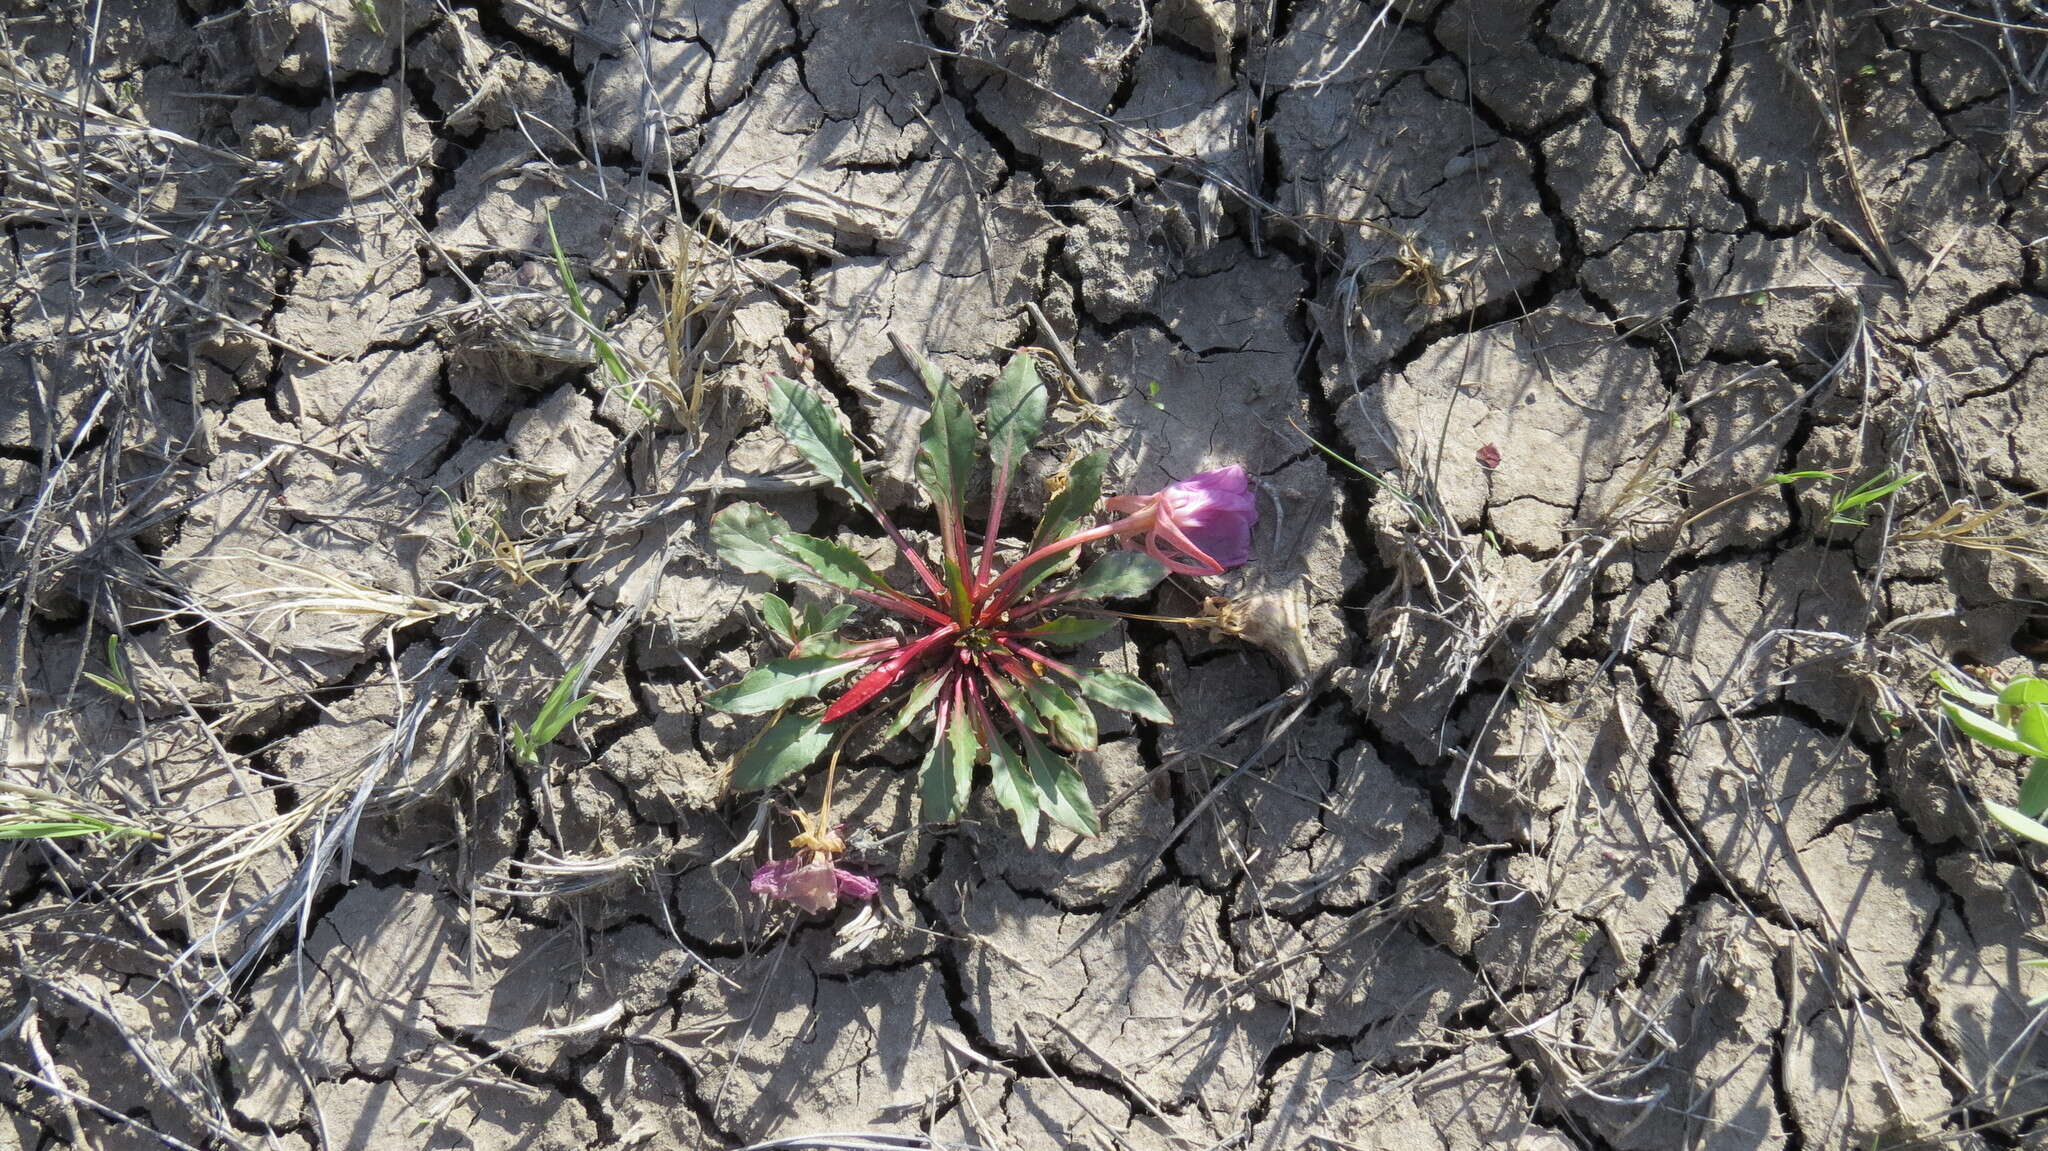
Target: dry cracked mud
(1568, 783)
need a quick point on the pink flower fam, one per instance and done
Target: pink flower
(814, 884)
(1199, 526)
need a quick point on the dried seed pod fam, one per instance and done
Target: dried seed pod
(1274, 619)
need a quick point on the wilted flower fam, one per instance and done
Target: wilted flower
(812, 882)
(1198, 526)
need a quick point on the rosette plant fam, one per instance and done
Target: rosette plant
(973, 647)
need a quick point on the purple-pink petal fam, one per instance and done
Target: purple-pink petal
(856, 886)
(772, 879)
(1215, 511)
(812, 884)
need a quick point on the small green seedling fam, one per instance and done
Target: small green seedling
(1152, 396)
(367, 9)
(1850, 508)
(1414, 506)
(116, 680)
(2014, 719)
(606, 353)
(560, 708)
(32, 813)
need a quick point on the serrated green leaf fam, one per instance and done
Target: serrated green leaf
(754, 539)
(786, 746)
(776, 614)
(1010, 782)
(1125, 693)
(831, 563)
(1016, 413)
(1061, 792)
(1069, 722)
(1988, 731)
(744, 535)
(1013, 697)
(817, 432)
(1070, 630)
(1075, 798)
(946, 451)
(2025, 690)
(781, 682)
(1118, 575)
(919, 700)
(948, 770)
(2017, 823)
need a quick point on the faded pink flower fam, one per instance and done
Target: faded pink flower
(1199, 526)
(814, 884)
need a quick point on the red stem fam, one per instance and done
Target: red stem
(902, 604)
(1002, 587)
(991, 529)
(917, 561)
(1041, 658)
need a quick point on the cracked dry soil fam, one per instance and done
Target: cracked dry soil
(1591, 799)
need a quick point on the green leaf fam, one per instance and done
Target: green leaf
(1125, 693)
(53, 829)
(1069, 722)
(1069, 630)
(1989, 732)
(775, 613)
(1073, 791)
(818, 433)
(577, 307)
(920, 698)
(112, 687)
(745, 534)
(557, 711)
(1076, 502)
(2034, 790)
(753, 539)
(2016, 823)
(1014, 697)
(2020, 692)
(1061, 792)
(2031, 723)
(946, 451)
(830, 562)
(1118, 575)
(786, 746)
(1016, 412)
(1963, 691)
(1847, 509)
(1063, 515)
(1010, 781)
(781, 682)
(948, 770)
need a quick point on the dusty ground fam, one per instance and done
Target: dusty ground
(1588, 800)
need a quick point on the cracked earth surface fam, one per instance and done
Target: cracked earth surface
(1593, 805)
